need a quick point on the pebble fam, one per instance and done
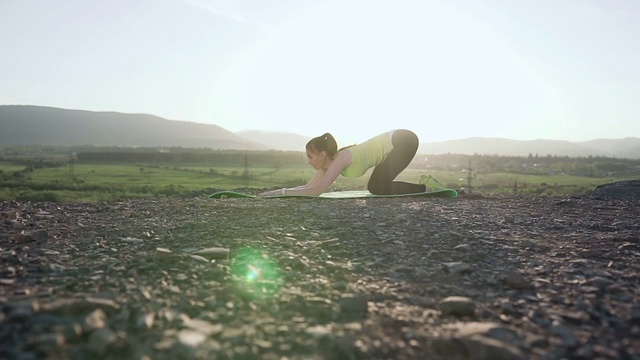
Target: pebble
(599, 282)
(22, 238)
(464, 248)
(39, 235)
(340, 285)
(217, 253)
(478, 341)
(163, 253)
(593, 253)
(131, 240)
(457, 267)
(458, 306)
(145, 321)
(516, 281)
(95, 320)
(485, 348)
(199, 258)
(203, 326)
(318, 331)
(191, 338)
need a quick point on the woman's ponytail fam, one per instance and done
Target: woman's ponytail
(325, 142)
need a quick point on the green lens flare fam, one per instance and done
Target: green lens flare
(255, 273)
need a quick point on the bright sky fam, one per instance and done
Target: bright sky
(447, 69)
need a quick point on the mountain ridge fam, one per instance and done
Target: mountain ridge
(39, 125)
(43, 125)
(627, 147)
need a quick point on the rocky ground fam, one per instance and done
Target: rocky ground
(476, 277)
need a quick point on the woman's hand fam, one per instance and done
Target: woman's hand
(272, 193)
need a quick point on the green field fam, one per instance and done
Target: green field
(100, 181)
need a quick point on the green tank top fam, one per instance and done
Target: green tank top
(368, 154)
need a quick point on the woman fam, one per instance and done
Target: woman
(389, 154)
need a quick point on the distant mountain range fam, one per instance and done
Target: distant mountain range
(276, 140)
(38, 125)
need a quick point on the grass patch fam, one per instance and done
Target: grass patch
(100, 181)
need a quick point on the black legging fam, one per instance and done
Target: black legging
(405, 145)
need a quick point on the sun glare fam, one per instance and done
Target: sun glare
(255, 274)
(358, 68)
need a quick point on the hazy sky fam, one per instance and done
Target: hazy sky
(447, 69)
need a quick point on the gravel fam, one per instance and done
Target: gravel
(477, 277)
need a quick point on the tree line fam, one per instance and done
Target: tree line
(532, 164)
(36, 157)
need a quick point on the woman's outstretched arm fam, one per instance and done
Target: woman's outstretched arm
(320, 181)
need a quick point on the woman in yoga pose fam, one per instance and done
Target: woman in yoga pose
(388, 153)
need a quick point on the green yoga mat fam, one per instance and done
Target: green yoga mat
(352, 194)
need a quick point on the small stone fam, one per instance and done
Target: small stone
(95, 320)
(627, 246)
(145, 321)
(464, 248)
(131, 240)
(213, 253)
(340, 285)
(263, 344)
(483, 347)
(163, 253)
(457, 267)
(191, 338)
(319, 331)
(200, 258)
(508, 308)
(484, 340)
(599, 282)
(490, 329)
(589, 253)
(517, 281)
(22, 238)
(589, 289)
(458, 306)
(202, 326)
(39, 235)
(300, 263)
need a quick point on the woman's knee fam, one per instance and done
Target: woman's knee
(378, 188)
